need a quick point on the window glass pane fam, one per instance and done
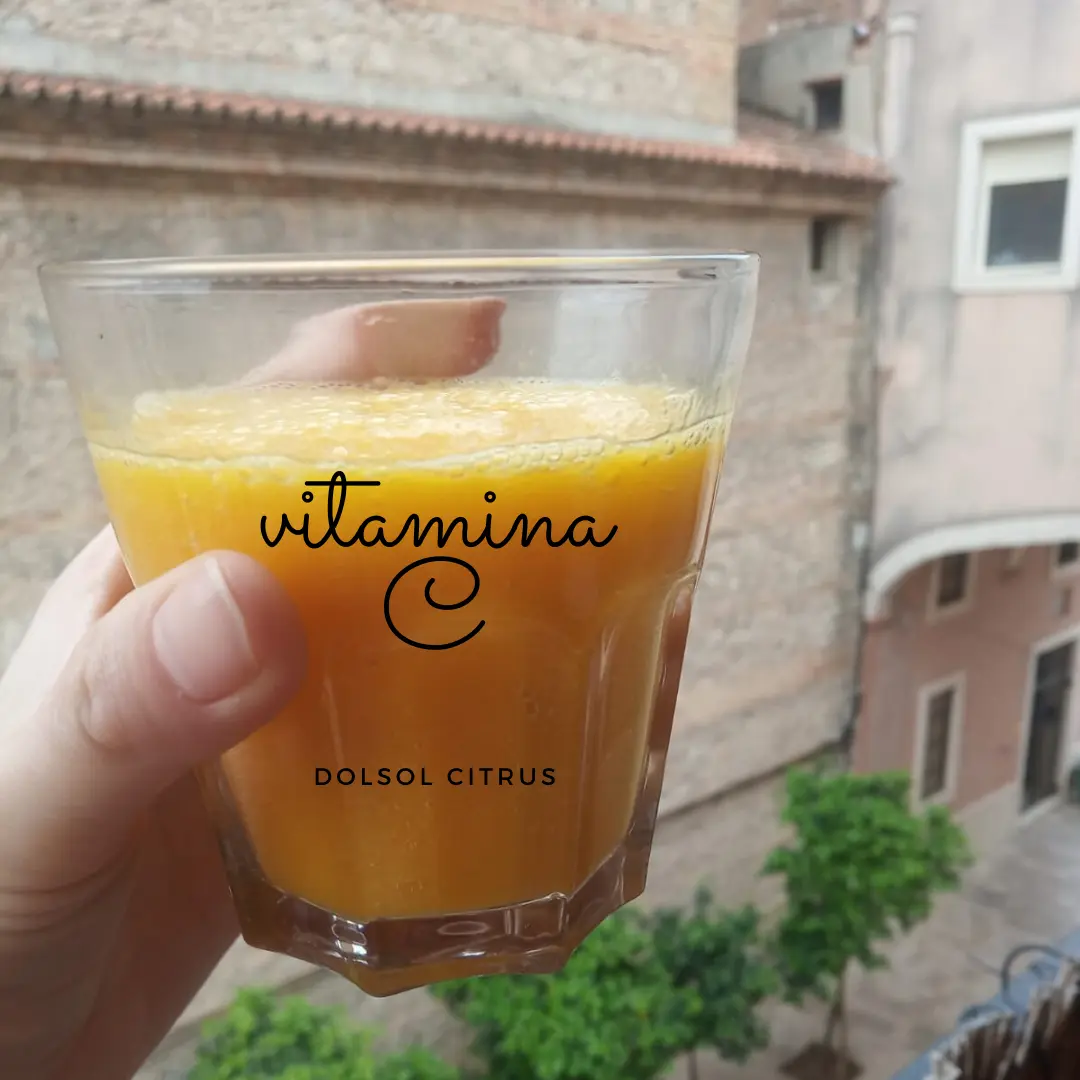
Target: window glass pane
(1027, 223)
(935, 765)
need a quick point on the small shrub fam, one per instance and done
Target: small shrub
(719, 956)
(861, 868)
(263, 1038)
(415, 1063)
(613, 1013)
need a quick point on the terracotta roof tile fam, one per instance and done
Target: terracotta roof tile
(763, 143)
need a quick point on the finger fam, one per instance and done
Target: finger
(90, 585)
(179, 671)
(405, 339)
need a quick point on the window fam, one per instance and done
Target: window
(1025, 190)
(952, 581)
(1017, 211)
(939, 719)
(825, 247)
(1067, 554)
(1065, 559)
(828, 99)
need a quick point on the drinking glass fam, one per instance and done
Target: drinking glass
(485, 480)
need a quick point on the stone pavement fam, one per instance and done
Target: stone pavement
(1029, 892)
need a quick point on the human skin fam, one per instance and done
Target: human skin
(113, 902)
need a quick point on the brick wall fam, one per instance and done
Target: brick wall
(774, 618)
(767, 676)
(671, 59)
(759, 19)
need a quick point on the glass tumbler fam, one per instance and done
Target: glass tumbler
(485, 480)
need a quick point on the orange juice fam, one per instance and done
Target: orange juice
(473, 729)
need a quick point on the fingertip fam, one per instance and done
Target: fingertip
(274, 627)
(486, 330)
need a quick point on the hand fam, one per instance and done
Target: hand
(113, 901)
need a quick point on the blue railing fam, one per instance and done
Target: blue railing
(1013, 998)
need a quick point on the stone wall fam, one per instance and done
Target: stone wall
(660, 65)
(759, 19)
(775, 615)
(772, 649)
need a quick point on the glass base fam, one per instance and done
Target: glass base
(388, 956)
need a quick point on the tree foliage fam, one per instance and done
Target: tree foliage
(261, 1037)
(719, 956)
(414, 1063)
(264, 1038)
(613, 1013)
(862, 867)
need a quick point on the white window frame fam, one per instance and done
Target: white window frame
(972, 218)
(936, 612)
(956, 682)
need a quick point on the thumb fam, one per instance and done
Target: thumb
(176, 673)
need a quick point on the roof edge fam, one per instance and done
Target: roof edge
(786, 150)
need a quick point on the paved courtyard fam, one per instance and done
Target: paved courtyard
(1028, 893)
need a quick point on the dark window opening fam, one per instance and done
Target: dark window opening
(825, 246)
(1027, 223)
(828, 104)
(1068, 554)
(936, 743)
(952, 580)
(1048, 730)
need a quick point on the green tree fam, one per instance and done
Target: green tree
(613, 1013)
(415, 1063)
(718, 955)
(263, 1038)
(861, 868)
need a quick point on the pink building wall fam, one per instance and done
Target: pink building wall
(992, 642)
(978, 444)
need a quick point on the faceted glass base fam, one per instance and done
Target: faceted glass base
(388, 956)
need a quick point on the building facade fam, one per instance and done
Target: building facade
(972, 623)
(145, 129)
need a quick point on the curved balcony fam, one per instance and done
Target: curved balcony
(980, 432)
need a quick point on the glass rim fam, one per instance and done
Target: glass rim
(445, 267)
